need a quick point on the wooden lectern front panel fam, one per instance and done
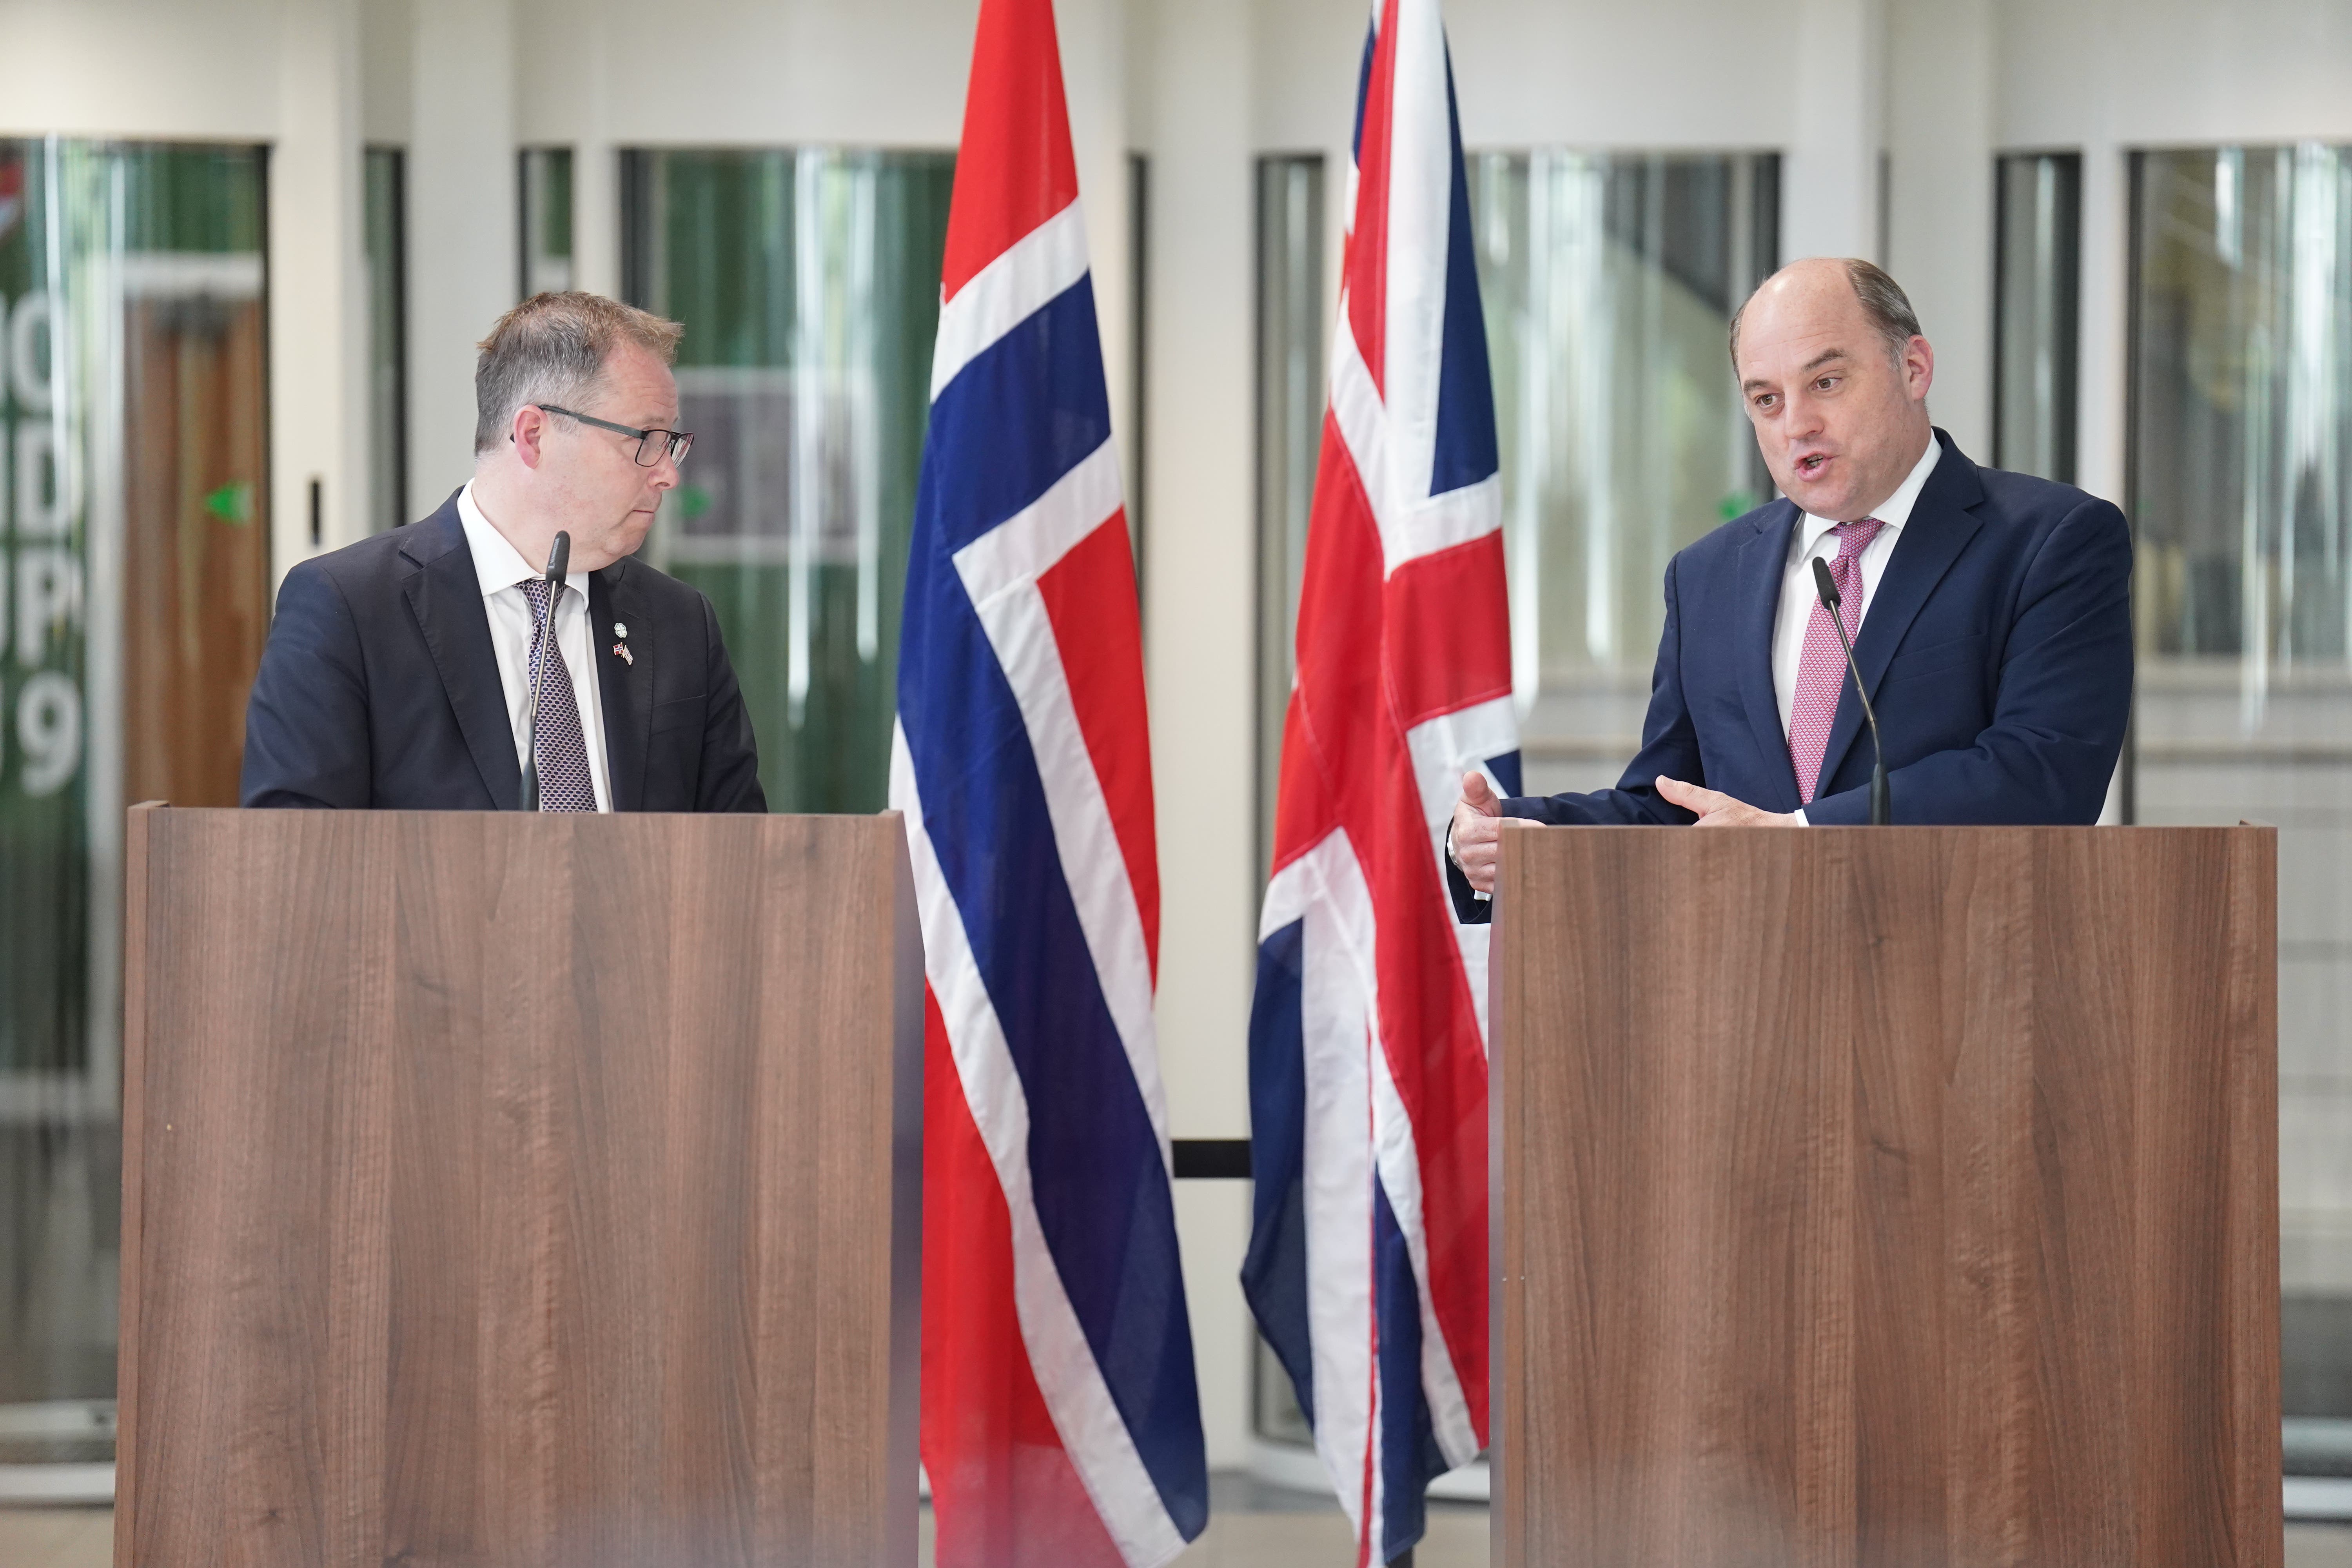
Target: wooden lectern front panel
(1875, 1197)
(507, 1191)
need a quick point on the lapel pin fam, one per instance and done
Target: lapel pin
(621, 649)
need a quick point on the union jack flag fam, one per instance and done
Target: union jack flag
(1060, 1422)
(1367, 1267)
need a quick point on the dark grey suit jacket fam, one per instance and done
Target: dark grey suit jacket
(379, 687)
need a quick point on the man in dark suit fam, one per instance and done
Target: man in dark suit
(1990, 612)
(399, 671)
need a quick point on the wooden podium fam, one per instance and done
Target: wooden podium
(507, 1191)
(1885, 1197)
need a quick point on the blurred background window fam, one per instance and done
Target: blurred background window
(1290, 394)
(808, 281)
(543, 191)
(2240, 437)
(134, 584)
(384, 197)
(2038, 221)
(1609, 280)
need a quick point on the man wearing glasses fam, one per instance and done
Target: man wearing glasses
(399, 672)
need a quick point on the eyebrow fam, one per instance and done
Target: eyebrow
(1819, 360)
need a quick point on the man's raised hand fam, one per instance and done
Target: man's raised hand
(1478, 832)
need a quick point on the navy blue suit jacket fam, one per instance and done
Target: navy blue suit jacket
(379, 688)
(1997, 650)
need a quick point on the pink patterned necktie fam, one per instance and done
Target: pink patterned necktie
(1822, 673)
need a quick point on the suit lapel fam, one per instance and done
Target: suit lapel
(1763, 564)
(1939, 528)
(446, 597)
(624, 686)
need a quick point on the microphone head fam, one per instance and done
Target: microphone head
(1824, 583)
(559, 559)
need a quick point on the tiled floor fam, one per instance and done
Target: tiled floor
(1255, 1529)
(56, 1537)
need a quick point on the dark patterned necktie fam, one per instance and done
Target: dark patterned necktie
(564, 781)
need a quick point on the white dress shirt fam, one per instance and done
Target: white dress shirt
(1812, 540)
(502, 571)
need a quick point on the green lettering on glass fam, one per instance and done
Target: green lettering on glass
(233, 502)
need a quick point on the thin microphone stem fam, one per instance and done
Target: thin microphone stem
(1882, 809)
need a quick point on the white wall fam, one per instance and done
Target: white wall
(883, 73)
(143, 67)
(463, 233)
(318, 286)
(1939, 116)
(1199, 628)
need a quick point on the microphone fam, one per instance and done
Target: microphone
(558, 557)
(1882, 813)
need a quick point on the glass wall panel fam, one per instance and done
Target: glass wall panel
(386, 220)
(1609, 280)
(809, 284)
(2240, 477)
(1291, 396)
(2036, 343)
(543, 195)
(133, 602)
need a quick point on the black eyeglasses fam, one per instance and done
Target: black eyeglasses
(677, 443)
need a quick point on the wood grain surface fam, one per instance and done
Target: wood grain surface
(1878, 1197)
(520, 1191)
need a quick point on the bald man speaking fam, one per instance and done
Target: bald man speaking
(1990, 612)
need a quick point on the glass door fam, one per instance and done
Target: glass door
(133, 601)
(2037, 268)
(808, 281)
(2241, 504)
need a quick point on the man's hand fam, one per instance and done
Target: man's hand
(1715, 808)
(1479, 833)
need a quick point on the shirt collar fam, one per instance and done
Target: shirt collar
(497, 563)
(1894, 511)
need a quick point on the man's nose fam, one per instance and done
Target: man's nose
(1805, 417)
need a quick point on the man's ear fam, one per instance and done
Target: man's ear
(1919, 368)
(528, 430)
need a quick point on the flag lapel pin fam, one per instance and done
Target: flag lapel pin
(621, 648)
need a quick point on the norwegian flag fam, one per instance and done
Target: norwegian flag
(1060, 1420)
(1367, 1266)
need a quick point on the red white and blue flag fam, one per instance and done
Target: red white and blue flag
(1367, 1267)
(1060, 1424)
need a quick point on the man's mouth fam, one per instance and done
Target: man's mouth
(1811, 465)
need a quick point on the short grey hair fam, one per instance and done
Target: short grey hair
(1883, 302)
(552, 348)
